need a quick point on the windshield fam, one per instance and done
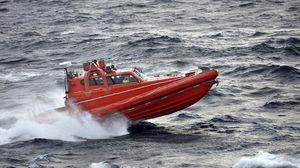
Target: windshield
(140, 74)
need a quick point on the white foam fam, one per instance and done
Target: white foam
(33, 163)
(20, 76)
(36, 120)
(105, 165)
(267, 160)
(67, 32)
(100, 165)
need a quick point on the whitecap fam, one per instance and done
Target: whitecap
(100, 165)
(106, 165)
(19, 76)
(267, 160)
(67, 32)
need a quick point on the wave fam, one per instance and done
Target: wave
(291, 41)
(265, 91)
(202, 125)
(38, 44)
(290, 46)
(164, 47)
(292, 50)
(16, 60)
(153, 133)
(267, 160)
(40, 158)
(216, 35)
(287, 127)
(4, 9)
(105, 164)
(226, 119)
(16, 77)
(67, 32)
(215, 92)
(130, 5)
(264, 48)
(275, 72)
(284, 70)
(145, 127)
(63, 21)
(180, 63)
(258, 33)
(89, 41)
(180, 51)
(116, 19)
(285, 73)
(293, 9)
(250, 4)
(154, 41)
(30, 34)
(184, 116)
(156, 2)
(281, 104)
(49, 2)
(4, 2)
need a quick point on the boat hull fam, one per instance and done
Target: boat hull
(153, 100)
(168, 104)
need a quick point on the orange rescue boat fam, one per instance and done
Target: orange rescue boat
(104, 90)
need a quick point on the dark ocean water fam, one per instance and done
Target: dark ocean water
(251, 120)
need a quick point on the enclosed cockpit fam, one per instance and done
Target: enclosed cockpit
(98, 76)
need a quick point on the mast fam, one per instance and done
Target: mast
(66, 65)
(66, 84)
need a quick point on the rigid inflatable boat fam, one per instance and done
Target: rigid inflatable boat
(103, 90)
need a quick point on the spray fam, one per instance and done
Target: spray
(35, 119)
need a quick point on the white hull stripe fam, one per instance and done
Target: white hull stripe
(85, 101)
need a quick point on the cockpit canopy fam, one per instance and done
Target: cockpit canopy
(112, 79)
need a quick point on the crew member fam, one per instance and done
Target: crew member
(126, 79)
